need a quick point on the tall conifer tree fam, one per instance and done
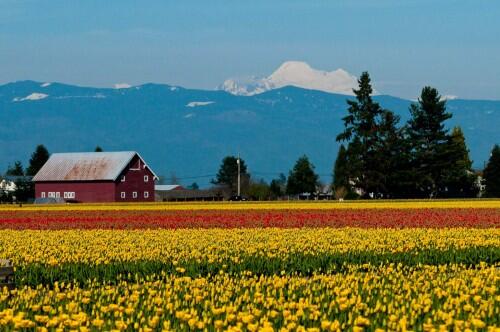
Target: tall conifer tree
(393, 157)
(429, 142)
(459, 178)
(492, 173)
(16, 170)
(228, 174)
(362, 131)
(38, 159)
(302, 178)
(340, 170)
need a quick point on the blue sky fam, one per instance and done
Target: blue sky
(405, 44)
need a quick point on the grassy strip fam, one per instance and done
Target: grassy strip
(299, 264)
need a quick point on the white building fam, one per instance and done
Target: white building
(7, 186)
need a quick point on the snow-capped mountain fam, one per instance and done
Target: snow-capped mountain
(246, 87)
(295, 73)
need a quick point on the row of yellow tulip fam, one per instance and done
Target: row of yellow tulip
(103, 246)
(282, 205)
(45, 256)
(385, 298)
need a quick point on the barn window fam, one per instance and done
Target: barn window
(146, 178)
(71, 194)
(58, 194)
(43, 194)
(123, 178)
(134, 194)
(65, 195)
(122, 195)
(146, 194)
(52, 194)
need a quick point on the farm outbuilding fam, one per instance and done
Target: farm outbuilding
(168, 187)
(177, 193)
(96, 177)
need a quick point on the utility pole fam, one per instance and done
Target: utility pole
(239, 179)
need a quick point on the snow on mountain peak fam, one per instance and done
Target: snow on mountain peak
(33, 96)
(122, 86)
(246, 87)
(199, 103)
(293, 66)
(296, 73)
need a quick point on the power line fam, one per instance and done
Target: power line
(284, 173)
(195, 177)
(266, 173)
(253, 172)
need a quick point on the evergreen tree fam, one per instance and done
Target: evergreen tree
(362, 126)
(38, 159)
(259, 191)
(459, 178)
(302, 178)
(194, 186)
(16, 170)
(400, 178)
(355, 161)
(393, 156)
(492, 174)
(429, 142)
(98, 149)
(228, 174)
(25, 190)
(277, 187)
(24, 187)
(341, 171)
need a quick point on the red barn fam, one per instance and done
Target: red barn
(96, 177)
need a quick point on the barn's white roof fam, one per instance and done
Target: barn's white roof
(86, 166)
(166, 187)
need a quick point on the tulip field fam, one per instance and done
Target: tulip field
(364, 266)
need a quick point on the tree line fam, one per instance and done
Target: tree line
(381, 158)
(301, 180)
(419, 159)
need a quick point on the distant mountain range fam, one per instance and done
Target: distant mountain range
(189, 131)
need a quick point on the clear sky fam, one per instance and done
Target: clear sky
(404, 44)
